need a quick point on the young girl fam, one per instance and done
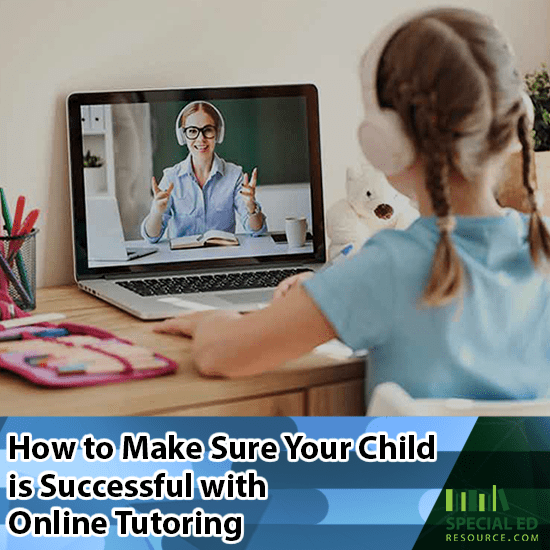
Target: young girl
(457, 305)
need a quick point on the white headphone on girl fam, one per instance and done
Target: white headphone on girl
(382, 134)
(180, 134)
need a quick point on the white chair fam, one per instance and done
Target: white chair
(390, 399)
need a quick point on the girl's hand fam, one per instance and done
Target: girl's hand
(160, 197)
(188, 323)
(284, 286)
(200, 326)
(248, 191)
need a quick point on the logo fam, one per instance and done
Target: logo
(483, 516)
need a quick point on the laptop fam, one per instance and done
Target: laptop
(120, 140)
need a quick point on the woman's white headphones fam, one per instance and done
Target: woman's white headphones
(180, 135)
(382, 134)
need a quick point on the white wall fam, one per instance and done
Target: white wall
(280, 201)
(49, 49)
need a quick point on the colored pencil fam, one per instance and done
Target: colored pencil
(25, 229)
(17, 219)
(32, 320)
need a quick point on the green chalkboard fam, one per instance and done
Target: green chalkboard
(268, 133)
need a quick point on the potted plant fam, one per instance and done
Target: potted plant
(511, 191)
(538, 89)
(92, 161)
(95, 181)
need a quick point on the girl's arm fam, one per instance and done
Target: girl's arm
(226, 343)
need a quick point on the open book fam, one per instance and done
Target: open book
(210, 238)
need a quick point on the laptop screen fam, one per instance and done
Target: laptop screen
(168, 180)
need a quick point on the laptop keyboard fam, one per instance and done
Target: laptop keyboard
(209, 283)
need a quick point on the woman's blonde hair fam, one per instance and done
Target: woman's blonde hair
(450, 75)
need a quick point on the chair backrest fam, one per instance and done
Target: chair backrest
(390, 399)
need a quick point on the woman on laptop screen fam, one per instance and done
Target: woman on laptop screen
(203, 191)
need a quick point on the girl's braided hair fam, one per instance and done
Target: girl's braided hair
(450, 75)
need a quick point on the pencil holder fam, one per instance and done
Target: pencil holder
(18, 269)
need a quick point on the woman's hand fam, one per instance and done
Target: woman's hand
(248, 191)
(160, 197)
(284, 286)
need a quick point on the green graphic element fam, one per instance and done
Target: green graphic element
(449, 499)
(473, 498)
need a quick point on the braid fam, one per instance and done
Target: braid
(436, 145)
(447, 273)
(539, 237)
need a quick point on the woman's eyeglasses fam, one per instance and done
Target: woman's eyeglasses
(192, 132)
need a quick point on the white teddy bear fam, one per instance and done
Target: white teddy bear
(371, 204)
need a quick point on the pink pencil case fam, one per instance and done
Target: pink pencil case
(80, 355)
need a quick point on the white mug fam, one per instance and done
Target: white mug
(295, 229)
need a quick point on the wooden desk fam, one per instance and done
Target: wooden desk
(312, 385)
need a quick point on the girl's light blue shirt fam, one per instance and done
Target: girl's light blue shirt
(192, 210)
(495, 345)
